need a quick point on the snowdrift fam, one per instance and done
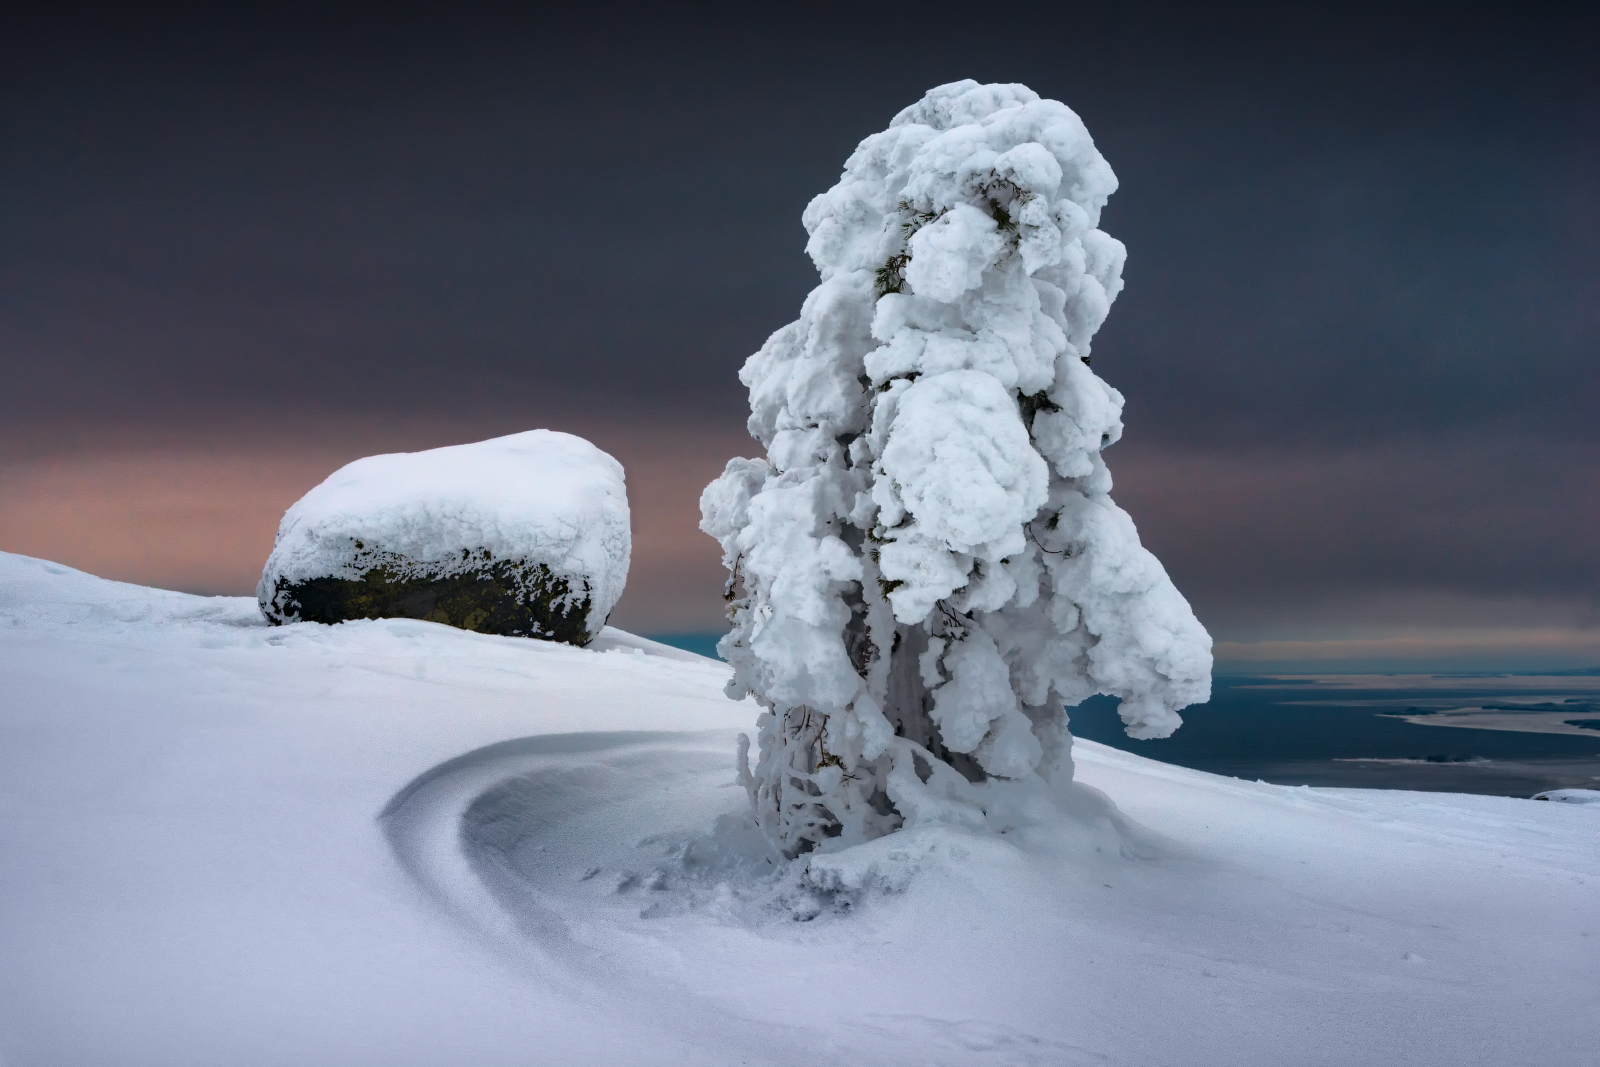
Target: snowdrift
(392, 842)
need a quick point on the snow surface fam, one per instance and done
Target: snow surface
(542, 495)
(394, 843)
(1570, 796)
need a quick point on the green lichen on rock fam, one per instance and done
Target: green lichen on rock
(516, 598)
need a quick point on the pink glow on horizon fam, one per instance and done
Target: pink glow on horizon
(1286, 557)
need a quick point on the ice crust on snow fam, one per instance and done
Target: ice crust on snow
(933, 434)
(542, 495)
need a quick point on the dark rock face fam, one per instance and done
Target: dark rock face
(515, 598)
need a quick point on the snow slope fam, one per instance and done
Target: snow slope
(395, 843)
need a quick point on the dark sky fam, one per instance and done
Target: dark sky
(1359, 338)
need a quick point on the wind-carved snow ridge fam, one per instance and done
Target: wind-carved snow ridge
(627, 866)
(508, 837)
(551, 845)
(928, 566)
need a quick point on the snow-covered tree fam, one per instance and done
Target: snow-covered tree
(927, 567)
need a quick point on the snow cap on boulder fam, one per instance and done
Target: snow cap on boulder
(525, 535)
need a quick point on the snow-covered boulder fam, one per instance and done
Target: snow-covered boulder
(526, 535)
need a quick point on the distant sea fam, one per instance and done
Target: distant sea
(1497, 734)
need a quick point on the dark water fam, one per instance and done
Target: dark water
(704, 644)
(1333, 731)
(1257, 728)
